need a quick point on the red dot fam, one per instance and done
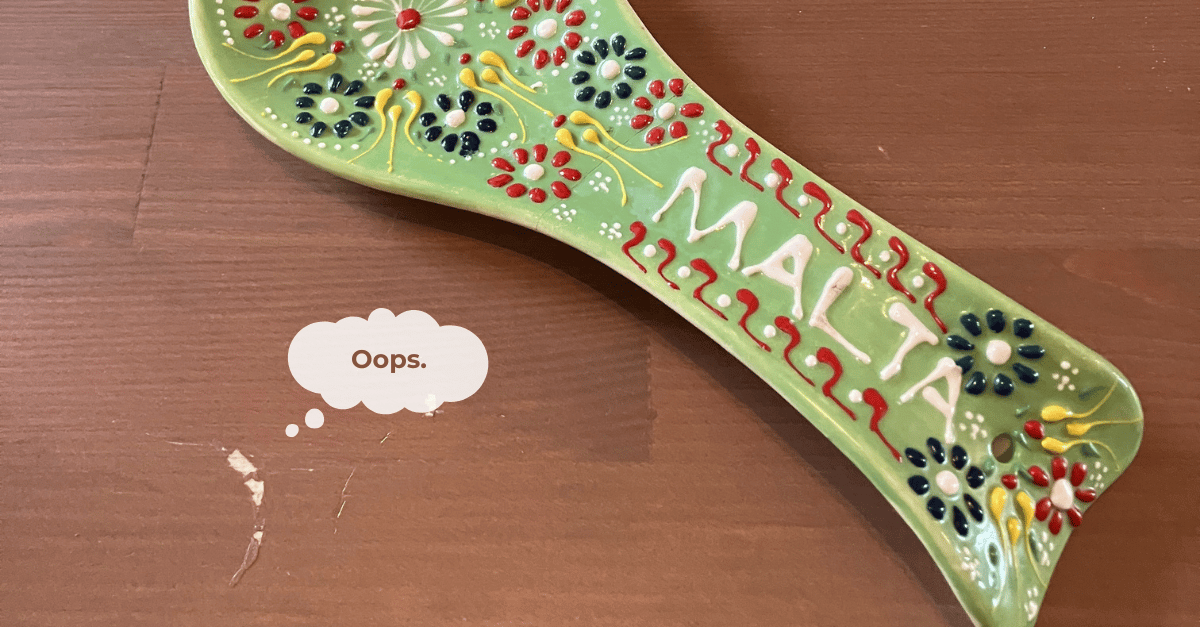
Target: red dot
(408, 19)
(399, 83)
(560, 120)
(465, 59)
(537, 195)
(337, 46)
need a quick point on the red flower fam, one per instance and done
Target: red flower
(543, 31)
(281, 14)
(665, 111)
(1062, 494)
(533, 172)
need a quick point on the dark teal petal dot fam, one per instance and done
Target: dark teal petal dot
(1025, 373)
(970, 322)
(919, 484)
(1031, 351)
(973, 508)
(960, 522)
(976, 384)
(915, 457)
(959, 342)
(936, 450)
(1022, 328)
(1002, 385)
(965, 363)
(995, 320)
(936, 507)
(975, 477)
(958, 457)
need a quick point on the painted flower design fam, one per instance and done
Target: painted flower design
(998, 351)
(603, 70)
(1063, 493)
(397, 30)
(538, 25)
(455, 116)
(664, 111)
(282, 20)
(533, 173)
(949, 483)
(336, 99)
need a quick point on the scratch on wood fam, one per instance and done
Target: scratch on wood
(244, 467)
(342, 506)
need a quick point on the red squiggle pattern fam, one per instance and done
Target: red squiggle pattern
(754, 150)
(826, 356)
(879, 408)
(932, 271)
(748, 299)
(786, 326)
(893, 274)
(857, 219)
(639, 233)
(784, 173)
(666, 245)
(726, 135)
(814, 190)
(702, 266)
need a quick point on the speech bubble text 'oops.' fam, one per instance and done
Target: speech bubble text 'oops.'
(388, 362)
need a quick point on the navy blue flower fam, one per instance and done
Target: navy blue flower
(998, 351)
(949, 484)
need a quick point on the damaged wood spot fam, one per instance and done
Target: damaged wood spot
(242, 465)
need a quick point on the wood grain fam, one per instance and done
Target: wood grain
(617, 468)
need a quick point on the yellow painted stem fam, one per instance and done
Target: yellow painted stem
(414, 99)
(310, 38)
(590, 136)
(300, 58)
(579, 117)
(394, 116)
(381, 100)
(490, 76)
(1054, 413)
(1078, 429)
(487, 57)
(1058, 447)
(563, 136)
(320, 64)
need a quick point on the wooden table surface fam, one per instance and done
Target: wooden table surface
(616, 468)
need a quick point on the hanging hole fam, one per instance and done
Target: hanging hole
(994, 554)
(1002, 448)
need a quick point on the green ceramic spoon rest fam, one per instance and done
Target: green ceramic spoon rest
(989, 430)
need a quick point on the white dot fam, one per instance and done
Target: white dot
(281, 11)
(885, 256)
(1065, 365)
(724, 301)
(998, 352)
(291, 430)
(314, 419)
(649, 250)
(918, 281)
(512, 136)
(855, 396)
(803, 200)
(330, 105)
(546, 28)
(948, 482)
(455, 118)
(666, 111)
(810, 361)
(840, 228)
(610, 69)
(683, 272)
(772, 180)
(534, 171)
(731, 151)
(1075, 371)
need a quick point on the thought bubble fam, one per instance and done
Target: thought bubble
(388, 362)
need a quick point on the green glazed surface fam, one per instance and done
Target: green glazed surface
(1000, 566)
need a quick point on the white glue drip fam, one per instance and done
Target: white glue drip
(944, 369)
(917, 333)
(837, 283)
(741, 216)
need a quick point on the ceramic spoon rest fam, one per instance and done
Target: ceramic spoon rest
(988, 429)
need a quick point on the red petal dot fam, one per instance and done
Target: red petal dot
(465, 58)
(539, 152)
(307, 13)
(656, 87)
(520, 13)
(1078, 474)
(574, 18)
(560, 55)
(562, 5)
(537, 195)
(1076, 516)
(571, 174)
(560, 120)
(517, 32)
(516, 190)
(521, 155)
(500, 180)
(642, 102)
(560, 159)
(560, 189)
(245, 12)
(525, 48)
(1039, 476)
(1009, 481)
(337, 46)
(541, 59)
(501, 163)
(676, 85)
(692, 110)
(678, 129)
(296, 29)
(1087, 496)
(655, 136)
(1043, 509)
(1035, 429)
(276, 37)
(640, 122)
(399, 83)
(1056, 522)
(253, 30)
(1058, 468)
(572, 40)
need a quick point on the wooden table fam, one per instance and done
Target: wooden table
(617, 468)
